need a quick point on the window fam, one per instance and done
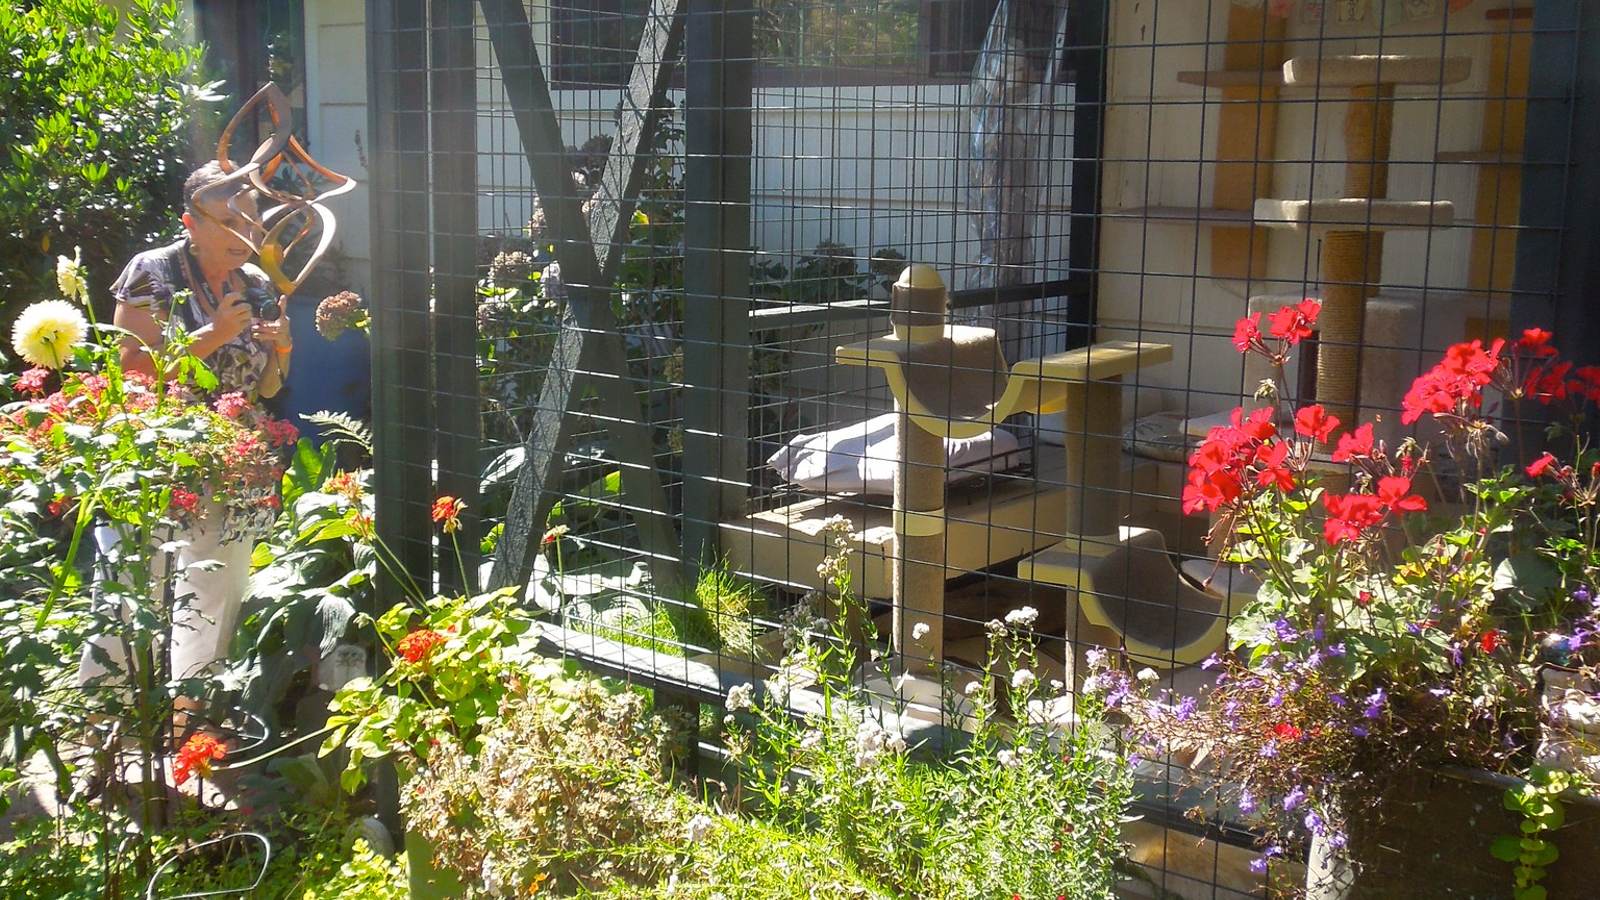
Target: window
(839, 40)
(251, 42)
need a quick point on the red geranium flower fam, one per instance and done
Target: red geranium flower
(1349, 515)
(1247, 333)
(1355, 444)
(1537, 342)
(185, 500)
(1314, 422)
(1392, 493)
(418, 645)
(1286, 731)
(1270, 459)
(1490, 641)
(1292, 324)
(196, 757)
(1540, 466)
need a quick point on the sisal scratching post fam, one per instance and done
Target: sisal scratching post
(917, 313)
(1344, 265)
(1368, 131)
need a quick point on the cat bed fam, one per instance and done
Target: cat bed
(860, 458)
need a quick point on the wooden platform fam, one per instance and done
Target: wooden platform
(991, 521)
(1372, 69)
(1354, 214)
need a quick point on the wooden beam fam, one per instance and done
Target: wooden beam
(588, 348)
(453, 157)
(402, 413)
(1497, 208)
(716, 348)
(1247, 132)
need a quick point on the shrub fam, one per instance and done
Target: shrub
(1031, 807)
(565, 790)
(94, 113)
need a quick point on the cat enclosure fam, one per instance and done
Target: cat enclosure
(664, 288)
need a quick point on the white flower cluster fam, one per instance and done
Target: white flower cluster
(696, 828)
(740, 696)
(919, 631)
(70, 277)
(1022, 618)
(1022, 679)
(873, 740)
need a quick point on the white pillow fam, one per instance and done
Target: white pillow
(861, 458)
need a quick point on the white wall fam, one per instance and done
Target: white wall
(1156, 280)
(336, 110)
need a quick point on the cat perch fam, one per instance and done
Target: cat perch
(952, 380)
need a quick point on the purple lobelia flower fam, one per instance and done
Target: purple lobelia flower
(1294, 798)
(1284, 630)
(1375, 703)
(1247, 801)
(1187, 707)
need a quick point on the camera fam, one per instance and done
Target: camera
(263, 303)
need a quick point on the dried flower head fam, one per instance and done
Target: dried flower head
(339, 312)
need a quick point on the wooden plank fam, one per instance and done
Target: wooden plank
(1242, 78)
(588, 342)
(1247, 134)
(453, 157)
(402, 418)
(1498, 199)
(719, 143)
(1371, 69)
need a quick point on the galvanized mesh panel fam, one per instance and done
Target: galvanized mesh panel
(611, 297)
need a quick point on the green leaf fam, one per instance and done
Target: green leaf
(1507, 848)
(1531, 892)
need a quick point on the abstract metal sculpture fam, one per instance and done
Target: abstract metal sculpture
(298, 212)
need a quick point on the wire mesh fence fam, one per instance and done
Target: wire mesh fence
(643, 299)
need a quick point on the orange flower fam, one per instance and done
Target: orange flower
(447, 512)
(196, 757)
(345, 485)
(416, 646)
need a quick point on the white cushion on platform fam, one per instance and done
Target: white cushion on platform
(861, 458)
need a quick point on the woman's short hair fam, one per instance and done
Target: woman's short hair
(204, 177)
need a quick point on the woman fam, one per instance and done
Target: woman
(197, 285)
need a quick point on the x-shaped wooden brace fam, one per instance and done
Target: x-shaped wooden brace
(588, 346)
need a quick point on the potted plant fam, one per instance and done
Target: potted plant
(1382, 699)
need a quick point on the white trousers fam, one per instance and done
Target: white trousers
(206, 601)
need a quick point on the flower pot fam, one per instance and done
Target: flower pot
(427, 880)
(1431, 836)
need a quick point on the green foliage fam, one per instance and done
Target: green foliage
(449, 670)
(94, 113)
(1031, 807)
(82, 855)
(310, 575)
(754, 860)
(1538, 802)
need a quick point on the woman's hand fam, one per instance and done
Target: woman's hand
(275, 334)
(230, 318)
